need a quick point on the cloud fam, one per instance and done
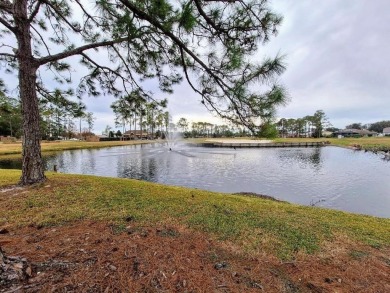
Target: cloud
(337, 55)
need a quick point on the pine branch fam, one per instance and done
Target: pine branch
(7, 25)
(86, 13)
(42, 39)
(79, 50)
(194, 88)
(8, 55)
(176, 40)
(127, 67)
(35, 11)
(204, 15)
(62, 16)
(106, 70)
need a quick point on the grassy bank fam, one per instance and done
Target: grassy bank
(369, 143)
(253, 224)
(7, 149)
(16, 148)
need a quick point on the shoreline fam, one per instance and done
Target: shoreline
(375, 144)
(101, 231)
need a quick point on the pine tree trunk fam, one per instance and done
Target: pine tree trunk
(140, 125)
(32, 168)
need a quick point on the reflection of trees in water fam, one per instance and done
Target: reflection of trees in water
(55, 159)
(310, 157)
(90, 165)
(71, 161)
(149, 169)
(315, 157)
(122, 169)
(48, 162)
(11, 164)
(138, 168)
(74, 157)
(60, 161)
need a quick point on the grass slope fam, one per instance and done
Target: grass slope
(254, 224)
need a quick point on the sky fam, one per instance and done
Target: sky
(338, 60)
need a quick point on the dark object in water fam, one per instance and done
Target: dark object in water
(170, 149)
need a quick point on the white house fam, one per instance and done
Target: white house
(386, 131)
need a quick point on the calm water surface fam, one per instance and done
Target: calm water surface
(329, 177)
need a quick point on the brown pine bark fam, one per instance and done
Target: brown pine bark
(32, 169)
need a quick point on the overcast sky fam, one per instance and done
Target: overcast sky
(338, 60)
(338, 55)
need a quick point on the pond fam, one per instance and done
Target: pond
(329, 177)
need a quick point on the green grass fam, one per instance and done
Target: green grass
(368, 143)
(7, 149)
(364, 142)
(251, 223)
(13, 150)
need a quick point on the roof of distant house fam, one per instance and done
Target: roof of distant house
(386, 130)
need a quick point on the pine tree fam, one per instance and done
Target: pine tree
(210, 43)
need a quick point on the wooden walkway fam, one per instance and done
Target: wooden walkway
(263, 145)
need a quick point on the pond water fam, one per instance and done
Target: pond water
(328, 177)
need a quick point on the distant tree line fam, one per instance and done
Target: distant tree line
(206, 129)
(59, 117)
(307, 126)
(377, 126)
(138, 111)
(10, 117)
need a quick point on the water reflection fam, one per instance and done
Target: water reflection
(330, 177)
(307, 157)
(12, 164)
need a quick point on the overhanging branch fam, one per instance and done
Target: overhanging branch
(8, 55)
(79, 50)
(42, 39)
(175, 39)
(35, 11)
(63, 17)
(7, 25)
(89, 16)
